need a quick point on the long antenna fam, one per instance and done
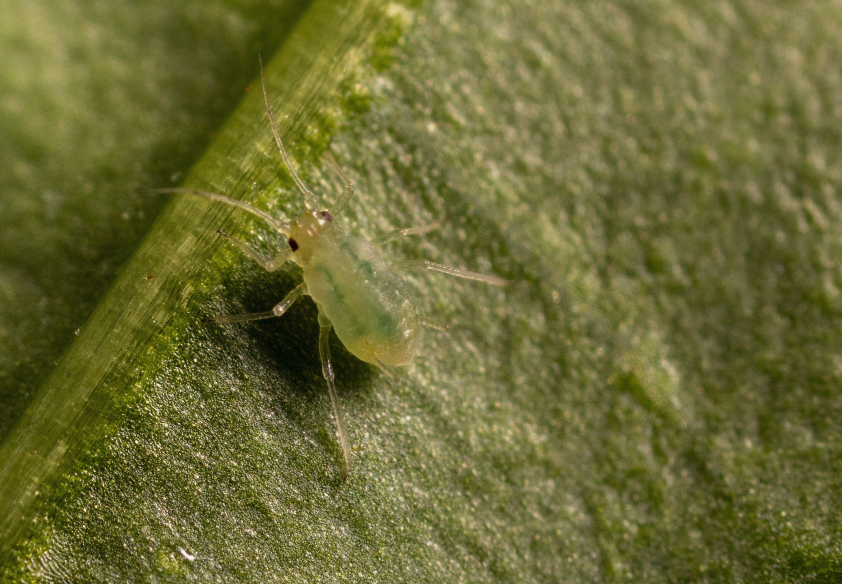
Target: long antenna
(346, 195)
(282, 226)
(310, 200)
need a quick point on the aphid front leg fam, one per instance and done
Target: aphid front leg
(270, 265)
(278, 310)
(399, 233)
(406, 265)
(327, 371)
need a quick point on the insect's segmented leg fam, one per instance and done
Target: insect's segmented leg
(270, 265)
(327, 371)
(346, 195)
(278, 309)
(310, 200)
(282, 226)
(398, 233)
(386, 370)
(434, 324)
(404, 265)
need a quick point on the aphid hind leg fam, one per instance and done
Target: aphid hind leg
(434, 324)
(327, 372)
(399, 233)
(406, 265)
(278, 310)
(270, 265)
(386, 370)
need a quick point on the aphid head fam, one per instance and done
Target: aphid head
(306, 229)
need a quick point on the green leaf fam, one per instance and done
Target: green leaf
(655, 399)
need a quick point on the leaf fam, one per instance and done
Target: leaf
(654, 399)
(96, 102)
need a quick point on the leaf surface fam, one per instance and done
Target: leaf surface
(655, 398)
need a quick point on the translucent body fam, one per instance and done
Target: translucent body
(357, 293)
(370, 307)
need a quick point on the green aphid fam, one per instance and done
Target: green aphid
(357, 293)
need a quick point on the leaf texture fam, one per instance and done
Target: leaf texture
(654, 399)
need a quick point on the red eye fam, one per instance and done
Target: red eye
(327, 216)
(293, 244)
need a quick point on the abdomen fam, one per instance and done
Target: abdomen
(370, 306)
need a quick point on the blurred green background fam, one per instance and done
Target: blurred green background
(656, 399)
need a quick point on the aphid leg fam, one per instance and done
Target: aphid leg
(386, 370)
(278, 310)
(406, 265)
(282, 226)
(270, 265)
(398, 233)
(347, 194)
(434, 324)
(327, 371)
(310, 200)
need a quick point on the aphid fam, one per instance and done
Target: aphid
(356, 292)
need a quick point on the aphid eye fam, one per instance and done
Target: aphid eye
(327, 216)
(293, 244)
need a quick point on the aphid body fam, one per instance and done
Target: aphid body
(357, 293)
(370, 306)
